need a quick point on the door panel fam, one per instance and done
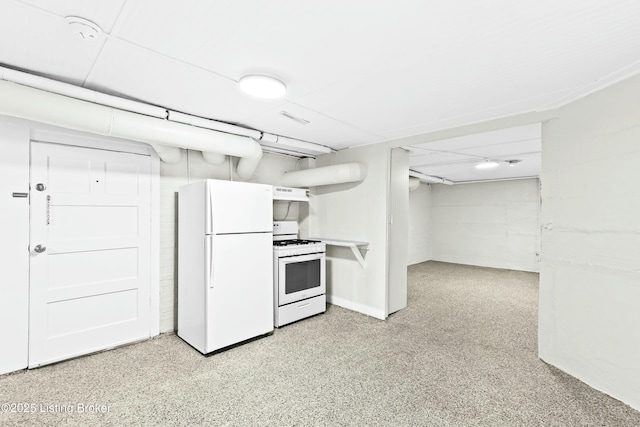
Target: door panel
(90, 287)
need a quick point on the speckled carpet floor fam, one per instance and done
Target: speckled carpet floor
(463, 353)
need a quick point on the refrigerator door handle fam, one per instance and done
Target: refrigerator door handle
(209, 260)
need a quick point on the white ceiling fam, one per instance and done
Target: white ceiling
(455, 158)
(359, 71)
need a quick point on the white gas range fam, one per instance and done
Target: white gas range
(298, 274)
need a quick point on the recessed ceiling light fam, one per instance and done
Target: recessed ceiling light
(513, 162)
(83, 28)
(487, 164)
(262, 86)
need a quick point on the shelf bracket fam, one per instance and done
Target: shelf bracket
(355, 246)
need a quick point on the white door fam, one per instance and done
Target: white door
(89, 251)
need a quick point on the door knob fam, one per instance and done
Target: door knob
(41, 187)
(39, 249)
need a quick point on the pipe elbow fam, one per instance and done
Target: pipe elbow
(170, 155)
(249, 163)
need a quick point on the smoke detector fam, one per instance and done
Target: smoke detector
(83, 28)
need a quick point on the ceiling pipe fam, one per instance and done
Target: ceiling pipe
(282, 142)
(430, 179)
(77, 92)
(169, 154)
(326, 175)
(187, 119)
(34, 104)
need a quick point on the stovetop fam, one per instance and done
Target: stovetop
(294, 242)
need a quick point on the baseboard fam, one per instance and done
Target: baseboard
(360, 308)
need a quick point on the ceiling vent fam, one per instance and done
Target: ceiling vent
(294, 118)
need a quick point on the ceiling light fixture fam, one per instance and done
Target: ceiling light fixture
(262, 86)
(512, 163)
(487, 164)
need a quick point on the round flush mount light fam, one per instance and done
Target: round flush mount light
(262, 86)
(83, 28)
(487, 164)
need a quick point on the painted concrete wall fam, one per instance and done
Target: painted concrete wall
(193, 168)
(493, 224)
(419, 241)
(14, 251)
(355, 211)
(589, 312)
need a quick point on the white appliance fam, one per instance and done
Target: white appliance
(225, 266)
(298, 275)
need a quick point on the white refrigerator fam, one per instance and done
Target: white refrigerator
(225, 263)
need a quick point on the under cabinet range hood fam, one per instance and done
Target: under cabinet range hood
(290, 194)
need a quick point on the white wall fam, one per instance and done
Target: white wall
(193, 168)
(492, 224)
(589, 312)
(14, 251)
(419, 241)
(355, 211)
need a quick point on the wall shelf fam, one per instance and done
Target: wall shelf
(356, 246)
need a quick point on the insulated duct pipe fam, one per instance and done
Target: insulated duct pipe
(326, 175)
(34, 104)
(171, 155)
(211, 157)
(77, 92)
(414, 183)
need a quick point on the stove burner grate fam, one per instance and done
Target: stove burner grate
(293, 242)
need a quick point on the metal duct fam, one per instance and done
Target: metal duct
(326, 175)
(59, 110)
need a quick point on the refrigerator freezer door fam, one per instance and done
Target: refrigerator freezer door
(240, 296)
(238, 207)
